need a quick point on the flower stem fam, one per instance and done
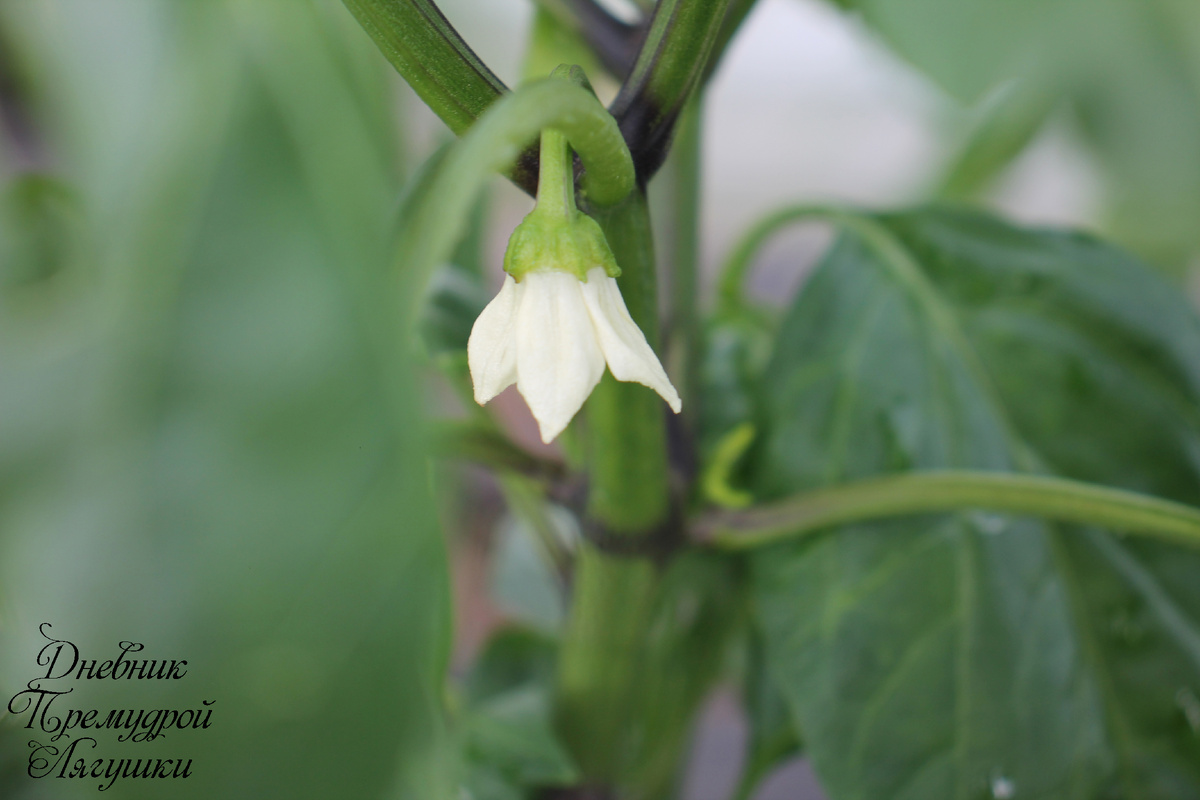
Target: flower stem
(441, 203)
(556, 181)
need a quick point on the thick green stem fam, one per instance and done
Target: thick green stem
(431, 56)
(604, 643)
(444, 72)
(625, 420)
(600, 661)
(672, 62)
(735, 15)
(928, 492)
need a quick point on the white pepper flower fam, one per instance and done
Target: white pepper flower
(559, 317)
(552, 334)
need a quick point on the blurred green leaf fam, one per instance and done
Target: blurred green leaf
(773, 738)
(237, 477)
(456, 291)
(514, 657)
(1131, 68)
(1007, 124)
(554, 41)
(699, 609)
(969, 654)
(511, 733)
(735, 349)
(508, 743)
(524, 581)
(36, 229)
(455, 297)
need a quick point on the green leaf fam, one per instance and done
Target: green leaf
(514, 657)
(772, 737)
(37, 228)
(699, 610)
(512, 734)
(556, 37)
(523, 580)
(454, 299)
(734, 352)
(508, 743)
(1005, 128)
(967, 654)
(232, 470)
(1130, 68)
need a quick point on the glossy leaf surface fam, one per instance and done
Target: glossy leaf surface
(966, 655)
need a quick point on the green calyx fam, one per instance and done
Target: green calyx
(557, 235)
(573, 244)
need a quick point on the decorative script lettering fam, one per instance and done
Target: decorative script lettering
(68, 738)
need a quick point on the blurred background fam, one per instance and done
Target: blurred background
(207, 397)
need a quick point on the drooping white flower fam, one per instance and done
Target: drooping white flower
(552, 335)
(559, 318)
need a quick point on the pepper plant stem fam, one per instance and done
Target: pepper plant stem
(440, 67)
(671, 64)
(625, 420)
(435, 61)
(604, 642)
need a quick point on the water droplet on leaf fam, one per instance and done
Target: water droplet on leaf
(1003, 788)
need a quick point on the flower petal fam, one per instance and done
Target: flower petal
(491, 349)
(558, 359)
(625, 348)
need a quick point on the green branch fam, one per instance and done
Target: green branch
(671, 64)
(488, 446)
(431, 56)
(732, 276)
(927, 492)
(440, 67)
(1007, 128)
(734, 17)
